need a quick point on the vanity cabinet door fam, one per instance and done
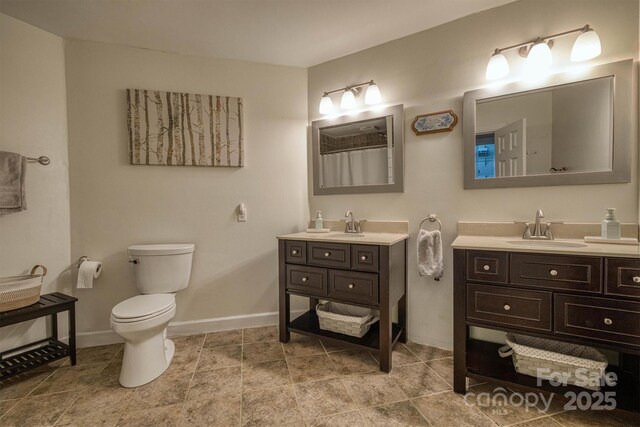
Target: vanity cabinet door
(562, 272)
(364, 257)
(296, 252)
(509, 307)
(307, 280)
(487, 266)
(622, 277)
(603, 319)
(350, 286)
(329, 254)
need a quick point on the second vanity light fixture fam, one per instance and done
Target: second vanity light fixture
(348, 100)
(537, 53)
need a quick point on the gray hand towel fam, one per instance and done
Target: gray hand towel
(430, 254)
(13, 168)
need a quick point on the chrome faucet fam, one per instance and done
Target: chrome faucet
(537, 233)
(351, 225)
(536, 229)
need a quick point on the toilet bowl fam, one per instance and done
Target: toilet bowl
(142, 320)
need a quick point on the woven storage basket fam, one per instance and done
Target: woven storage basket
(346, 319)
(21, 291)
(553, 360)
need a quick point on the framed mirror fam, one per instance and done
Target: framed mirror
(568, 131)
(360, 153)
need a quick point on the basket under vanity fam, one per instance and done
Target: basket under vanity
(587, 295)
(368, 270)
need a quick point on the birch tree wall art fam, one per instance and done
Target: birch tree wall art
(184, 129)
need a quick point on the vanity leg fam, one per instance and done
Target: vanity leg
(313, 302)
(460, 328)
(283, 296)
(402, 303)
(385, 338)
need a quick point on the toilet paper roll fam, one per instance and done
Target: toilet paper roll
(88, 271)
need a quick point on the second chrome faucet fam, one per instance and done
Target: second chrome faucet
(537, 233)
(352, 225)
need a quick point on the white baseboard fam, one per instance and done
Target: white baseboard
(190, 327)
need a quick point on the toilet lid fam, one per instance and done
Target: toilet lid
(143, 306)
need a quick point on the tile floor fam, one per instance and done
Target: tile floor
(247, 378)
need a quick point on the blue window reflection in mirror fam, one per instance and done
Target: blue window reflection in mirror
(485, 155)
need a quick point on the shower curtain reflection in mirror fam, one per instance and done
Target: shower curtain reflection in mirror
(357, 167)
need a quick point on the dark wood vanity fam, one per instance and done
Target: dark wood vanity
(587, 300)
(368, 275)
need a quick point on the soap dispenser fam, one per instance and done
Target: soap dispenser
(610, 226)
(319, 220)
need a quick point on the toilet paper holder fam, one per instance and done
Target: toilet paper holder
(82, 259)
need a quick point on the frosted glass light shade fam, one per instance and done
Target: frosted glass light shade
(348, 100)
(539, 60)
(497, 67)
(372, 96)
(587, 46)
(326, 105)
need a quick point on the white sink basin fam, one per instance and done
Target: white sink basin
(547, 243)
(339, 235)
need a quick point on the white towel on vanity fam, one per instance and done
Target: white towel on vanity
(430, 254)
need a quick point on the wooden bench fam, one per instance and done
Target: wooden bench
(18, 360)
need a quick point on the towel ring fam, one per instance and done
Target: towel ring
(431, 218)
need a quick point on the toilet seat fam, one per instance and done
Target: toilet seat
(143, 307)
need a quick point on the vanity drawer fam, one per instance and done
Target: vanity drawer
(622, 277)
(329, 254)
(486, 266)
(364, 257)
(510, 307)
(352, 286)
(606, 320)
(295, 252)
(560, 272)
(307, 280)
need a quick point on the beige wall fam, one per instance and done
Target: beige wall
(114, 204)
(33, 122)
(430, 71)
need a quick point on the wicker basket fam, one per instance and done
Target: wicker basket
(21, 291)
(579, 365)
(346, 319)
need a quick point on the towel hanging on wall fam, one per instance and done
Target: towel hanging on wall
(430, 262)
(13, 168)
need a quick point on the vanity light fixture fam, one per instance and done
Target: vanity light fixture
(349, 94)
(538, 53)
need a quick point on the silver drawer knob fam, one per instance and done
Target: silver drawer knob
(608, 321)
(327, 253)
(507, 307)
(351, 285)
(364, 258)
(304, 279)
(294, 252)
(486, 268)
(553, 272)
(636, 279)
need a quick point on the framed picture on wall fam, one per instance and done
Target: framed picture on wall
(440, 121)
(184, 129)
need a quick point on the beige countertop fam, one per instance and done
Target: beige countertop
(502, 244)
(366, 238)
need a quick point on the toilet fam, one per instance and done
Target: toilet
(159, 271)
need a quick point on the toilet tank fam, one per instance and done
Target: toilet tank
(161, 269)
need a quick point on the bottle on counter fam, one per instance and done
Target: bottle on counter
(319, 224)
(610, 225)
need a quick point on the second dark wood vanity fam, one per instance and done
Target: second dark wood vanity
(586, 300)
(363, 274)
